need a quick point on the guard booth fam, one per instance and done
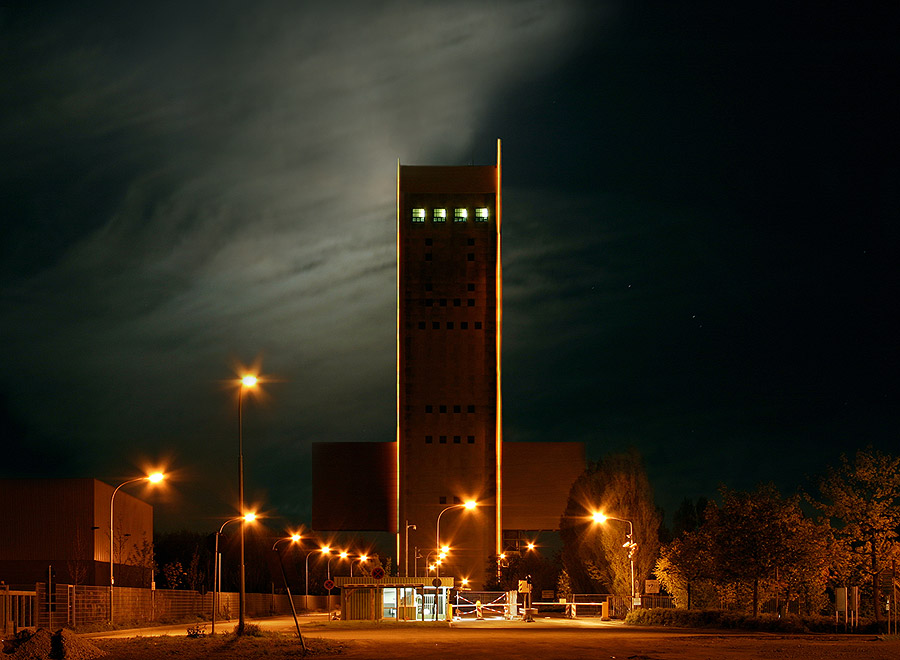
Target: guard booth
(402, 599)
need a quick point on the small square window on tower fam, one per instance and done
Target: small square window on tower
(471, 439)
(418, 215)
(439, 215)
(460, 215)
(442, 499)
(481, 215)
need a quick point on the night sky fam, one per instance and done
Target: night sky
(700, 232)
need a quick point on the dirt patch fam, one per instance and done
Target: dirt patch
(222, 647)
(44, 645)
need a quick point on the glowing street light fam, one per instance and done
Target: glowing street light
(469, 505)
(293, 538)
(154, 478)
(248, 381)
(599, 517)
(341, 555)
(361, 559)
(217, 562)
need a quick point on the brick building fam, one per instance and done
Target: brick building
(449, 447)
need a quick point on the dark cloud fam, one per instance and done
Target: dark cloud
(698, 237)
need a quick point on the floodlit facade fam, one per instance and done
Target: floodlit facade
(449, 446)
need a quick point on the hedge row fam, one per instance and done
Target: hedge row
(682, 618)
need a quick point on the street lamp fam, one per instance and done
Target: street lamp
(406, 550)
(471, 504)
(342, 555)
(324, 550)
(630, 544)
(248, 382)
(293, 538)
(361, 559)
(217, 580)
(154, 478)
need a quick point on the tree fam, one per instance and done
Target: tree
(142, 557)
(862, 500)
(78, 564)
(758, 537)
(684, 564)
(593, 555)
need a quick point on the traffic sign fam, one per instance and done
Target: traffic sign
(329, 584)
(436, 582)
(378, 573)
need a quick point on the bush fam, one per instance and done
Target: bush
(737, 620)
(250, 630)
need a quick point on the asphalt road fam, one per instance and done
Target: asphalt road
(555, 638)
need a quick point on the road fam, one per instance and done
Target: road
(560, 639)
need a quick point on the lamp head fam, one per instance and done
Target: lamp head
(156, 477)
(295, 538)
(249, 381)
(249, 517)
(471, 504)
(598, 517)
(325, 550)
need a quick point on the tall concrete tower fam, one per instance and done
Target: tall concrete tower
(449, 319)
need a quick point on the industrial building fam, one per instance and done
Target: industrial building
(449, 446)
(62, 525)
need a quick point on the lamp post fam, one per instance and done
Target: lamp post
(342, 555)
(361, 559)
(294, 538)
(217, 581)
(154, 478)
(630, 544)
(324, 550)
(246, 382)
(471, 504)
(406, 550)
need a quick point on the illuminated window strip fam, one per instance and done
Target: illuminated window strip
(460, 215)
(481, 215)
(418, 215)
(439, 215)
